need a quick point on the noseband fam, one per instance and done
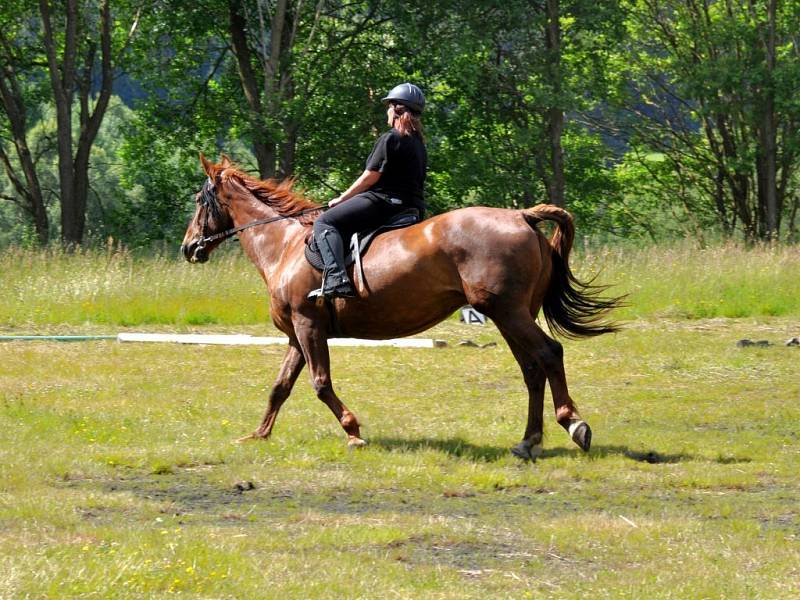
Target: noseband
(208, 196)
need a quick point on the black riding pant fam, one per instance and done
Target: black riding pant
(362, 212)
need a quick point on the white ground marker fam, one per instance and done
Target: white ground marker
(251, 340)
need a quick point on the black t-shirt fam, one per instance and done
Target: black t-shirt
(403, 163)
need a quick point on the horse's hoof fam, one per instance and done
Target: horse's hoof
(525, 451)
(250, 438)
(581, 434)
(355, 443)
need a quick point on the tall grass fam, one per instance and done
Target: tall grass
(686, 282)
(115, 287)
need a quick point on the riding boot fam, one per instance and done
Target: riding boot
(335, 282)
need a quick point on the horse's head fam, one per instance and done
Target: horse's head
(211, 215)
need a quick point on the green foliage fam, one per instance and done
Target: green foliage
(160, 179)
(108, 193)
(711, 97)
(634, 80)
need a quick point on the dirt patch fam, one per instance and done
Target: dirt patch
(458, 554)
(179, 493)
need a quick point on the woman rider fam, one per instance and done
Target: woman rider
(391, 182)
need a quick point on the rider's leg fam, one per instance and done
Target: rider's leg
(336, 225)
(335, 281)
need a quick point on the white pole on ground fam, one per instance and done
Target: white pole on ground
(250, 340)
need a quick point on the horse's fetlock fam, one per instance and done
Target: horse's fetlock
(564, 415)
(534, 439)
(349, 420)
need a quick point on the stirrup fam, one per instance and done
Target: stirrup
(343, 290)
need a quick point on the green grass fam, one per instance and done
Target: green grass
(116, 288)
(119, 478)
(101, 290)
(683, 281)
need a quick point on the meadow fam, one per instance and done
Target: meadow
(120, 478)
(53, 291)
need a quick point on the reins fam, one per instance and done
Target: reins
(224, 235)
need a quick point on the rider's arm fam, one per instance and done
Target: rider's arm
(365, 181)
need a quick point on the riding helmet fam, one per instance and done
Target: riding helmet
(408, 95)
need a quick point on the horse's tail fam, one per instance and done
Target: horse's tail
(572, 308)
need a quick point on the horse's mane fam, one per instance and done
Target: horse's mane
(278, 195)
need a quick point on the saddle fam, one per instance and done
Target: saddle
(360, 241)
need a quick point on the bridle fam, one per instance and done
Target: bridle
(208, 196)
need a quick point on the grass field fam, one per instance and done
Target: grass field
(53, 291)
(119, 478)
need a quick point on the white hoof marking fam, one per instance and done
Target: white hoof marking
(573, 427)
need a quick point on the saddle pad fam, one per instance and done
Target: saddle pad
(402, 219)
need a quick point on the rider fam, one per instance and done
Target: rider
(391, 182)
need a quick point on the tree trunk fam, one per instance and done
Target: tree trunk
(555, 115)
(62, 80)
(768, 195)
(29, 190)
(73, 169)
(792, 236)
(288, 148)
(263, 144)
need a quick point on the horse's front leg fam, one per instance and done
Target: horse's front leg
(293, 363)
(315, 348)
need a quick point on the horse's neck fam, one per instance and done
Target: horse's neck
(264, 244)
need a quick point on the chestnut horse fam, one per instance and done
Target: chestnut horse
(495, 259)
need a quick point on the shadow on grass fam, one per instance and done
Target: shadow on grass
(460, 448)
(456, 447)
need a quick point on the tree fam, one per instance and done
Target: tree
(510, 80)
(75, 47)
(256, 71)
(714, 92)
(19, 93)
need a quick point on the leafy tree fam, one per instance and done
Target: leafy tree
(278, 75)
(714, 89)
(306, 102)
(510, 81)
(67, 52)
(20, 93)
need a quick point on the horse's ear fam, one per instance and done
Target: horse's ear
(224, 161)
(209, 167)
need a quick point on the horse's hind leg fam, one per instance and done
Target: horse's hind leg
(549, 355)
(531, 445)
(293, 363)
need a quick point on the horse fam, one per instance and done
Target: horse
(495, 259)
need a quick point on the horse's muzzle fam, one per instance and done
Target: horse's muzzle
(194, 252)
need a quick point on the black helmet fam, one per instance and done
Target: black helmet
(408, 95)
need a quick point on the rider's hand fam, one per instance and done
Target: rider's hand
(335, 201)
